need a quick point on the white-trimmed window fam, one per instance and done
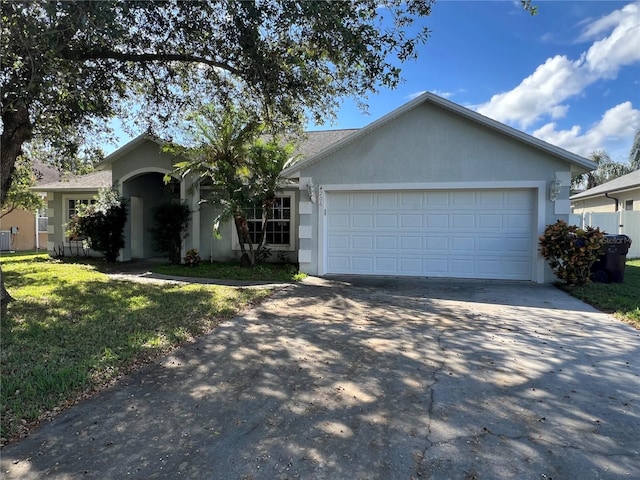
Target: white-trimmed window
(628, 205)
(280, 231)
(43, 220)
(71, 204)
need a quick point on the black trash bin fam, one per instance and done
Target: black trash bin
(613, 257)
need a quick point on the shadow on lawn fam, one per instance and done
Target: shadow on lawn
(80, 336)
(361, 382)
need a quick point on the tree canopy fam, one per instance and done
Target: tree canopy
(68, 65)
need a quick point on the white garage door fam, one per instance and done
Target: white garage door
(455, 233)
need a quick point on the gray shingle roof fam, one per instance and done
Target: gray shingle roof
(309, 144)
(91, 181)
(45, 173)
(316, 141)
(625, 182)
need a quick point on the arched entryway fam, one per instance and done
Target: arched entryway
(144, 191)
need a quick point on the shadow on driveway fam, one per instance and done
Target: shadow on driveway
(376, 379)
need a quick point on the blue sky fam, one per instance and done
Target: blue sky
(569, 75)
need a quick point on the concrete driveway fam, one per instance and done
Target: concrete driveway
(369, 379)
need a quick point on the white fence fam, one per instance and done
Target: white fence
(624, 222)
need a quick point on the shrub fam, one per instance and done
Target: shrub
(171, 221)
(101, 225)
(193, 258)
(571, 250)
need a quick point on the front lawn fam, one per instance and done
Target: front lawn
(233, 271)
(72, 330)
(621, 299)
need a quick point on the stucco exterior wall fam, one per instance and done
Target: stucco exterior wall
(56, 211)
(431, 146)
(146, 157)
(25, 239)
(604, 204)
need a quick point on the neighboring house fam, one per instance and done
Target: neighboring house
(431, 189)
(622, 193)
(22, 230)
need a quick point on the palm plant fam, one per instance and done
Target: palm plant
(607, 169)
(243, 169)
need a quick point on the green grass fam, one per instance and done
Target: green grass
(621, 299)
(72, 330)
(233, 271)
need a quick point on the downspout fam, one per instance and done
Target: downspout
(619, 213)
(613, 198)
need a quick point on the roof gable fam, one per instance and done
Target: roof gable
(581, 163)
(128, 147)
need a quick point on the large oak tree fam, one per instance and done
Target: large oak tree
(68, 65)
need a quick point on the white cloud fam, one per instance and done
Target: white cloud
(611, 133)
(620, 48)
(541, 94)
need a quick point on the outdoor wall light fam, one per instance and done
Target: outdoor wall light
(554, 190)
(311, 191)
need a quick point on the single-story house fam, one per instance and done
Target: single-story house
(430, 189)
(622, 193)
(22, 230)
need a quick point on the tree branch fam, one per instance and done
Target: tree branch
(146, 57)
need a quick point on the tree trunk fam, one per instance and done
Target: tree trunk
(17, 130)
(248, 258)
(5, 298)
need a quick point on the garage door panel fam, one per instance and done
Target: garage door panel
(493, 245)
(388, 265)
(411, 199)
(437, 244)
(463, 267)
(437, 221)
(362, 221)
(490, 198)
(387, 221)
(518, 222)
(518, 199)
(411, 243)
(436, 266)
(462, 221)
(363, 200)
(463, 244)
(335, 220)
(436, 199)
(362, 242)
(470, 234)
(411, 221)
(386, 200)
(363, 264)
(463, 198)
(338, 242)
(490, 221)
(387, 243)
